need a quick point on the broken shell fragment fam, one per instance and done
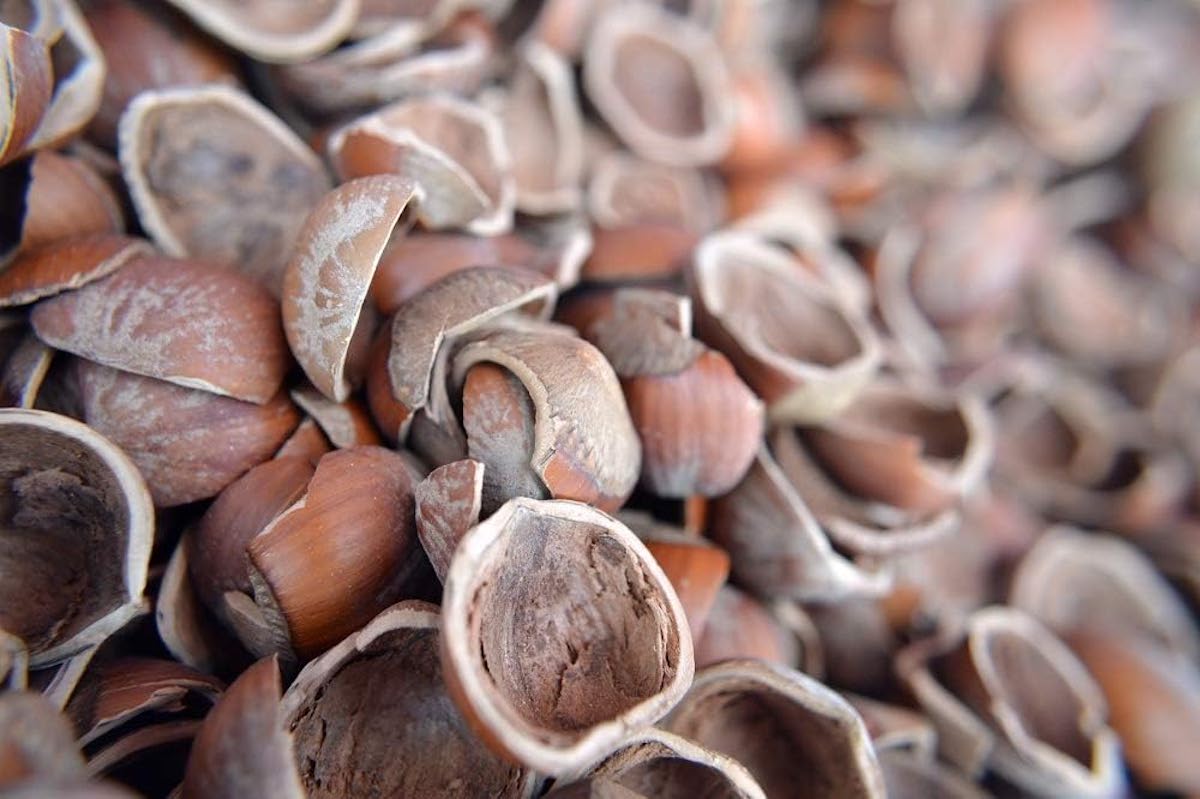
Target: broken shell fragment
(427, 328)
(561, 634)
(267, 33)
(25, 61)
(1080, 583)
(326, 282)
(67, 264)
(543, 127)
(890, 473)
(217, 176)
(394, 65)
(79, 72)
(775, 544)
(77, 535)
(388, 676)
(453, 150)
(811, 739)
(797, 345)
(449, 503)
(660, 81)
(1010, 696)
(185, 322)
(550, 417)
(660, 764)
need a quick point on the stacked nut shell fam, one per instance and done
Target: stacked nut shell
(599, 398)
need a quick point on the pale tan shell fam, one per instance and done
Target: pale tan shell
(657, 763)
(679, 52)
(452, 149)
(51, 454)
(329, 275)
(584, 444)
(77, 94)
(187, 153)
(272, 33)
(747, 296)
(590, 626)
(794, 734)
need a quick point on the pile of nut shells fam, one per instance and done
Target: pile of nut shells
(599, 398)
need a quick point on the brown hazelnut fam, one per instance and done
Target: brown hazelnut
(332, 559)
(188, 444)
(699, 424)
(551, 661)
(242, 748)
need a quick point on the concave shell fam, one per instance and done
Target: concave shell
(267, 32)
(27, 73)
(397, 63)
(543, 127)
(185, 322)
(698, 423)
(77, 535)
(943, 47)
(795, 736)
(792, 338)
(583, 446)
(326, 282)
(78, 89)
(890, 472)
(1080, 583)
(452, 149)
(373, 715)
(427, 327)
(624, 190)
(1009, 695)
(561, 634)
(909, 776)
(776, 545)
(660, 764)
(660, 81)
(215, 175)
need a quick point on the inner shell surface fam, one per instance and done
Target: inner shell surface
(572, 631)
